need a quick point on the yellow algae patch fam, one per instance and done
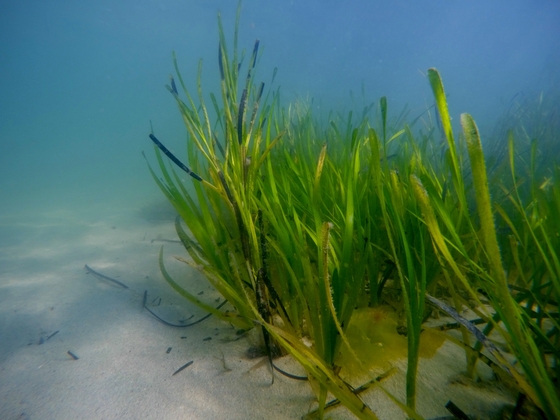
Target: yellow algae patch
(373, 336)
(430, 342)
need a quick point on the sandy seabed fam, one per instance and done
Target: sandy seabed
(126, 357)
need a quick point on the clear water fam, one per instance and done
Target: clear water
(81, 81)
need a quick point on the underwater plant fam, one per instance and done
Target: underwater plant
(323, 237)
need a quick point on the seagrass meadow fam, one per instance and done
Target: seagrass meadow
(347, 240)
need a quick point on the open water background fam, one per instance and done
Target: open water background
(81, 81)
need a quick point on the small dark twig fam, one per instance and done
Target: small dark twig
(223, 359)
(456, 411)
(205, 317)
(103, 276)
(186, 365)
(356, 391)
(171, 241)
(455, 325)
(290, 375)
(52, 335)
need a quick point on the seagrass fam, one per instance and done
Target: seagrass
(299, 224)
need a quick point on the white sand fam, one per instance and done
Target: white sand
(123, 370)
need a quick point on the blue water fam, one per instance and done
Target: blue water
(80, 81)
